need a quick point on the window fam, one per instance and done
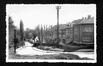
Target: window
(88, 28)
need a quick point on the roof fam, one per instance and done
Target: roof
(77, 21)
(90, 20)
(61, 26)
(83, 21)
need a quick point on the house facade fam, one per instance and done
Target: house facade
(83, 31)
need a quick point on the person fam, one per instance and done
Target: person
(36, 40)
(34, 36)
(15, 44)
(15, 41)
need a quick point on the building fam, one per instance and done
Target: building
(83, 30)
(65, 33)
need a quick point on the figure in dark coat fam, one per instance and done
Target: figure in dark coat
(15, 41)
(34, 36)
(15, 44)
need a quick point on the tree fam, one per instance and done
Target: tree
(21, 33)
(11, 31)
(11, 26)
(27, 33)
(37, 31)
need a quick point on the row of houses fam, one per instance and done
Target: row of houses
(79, 31)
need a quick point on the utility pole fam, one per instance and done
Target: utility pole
(58, 7)
(41, 34)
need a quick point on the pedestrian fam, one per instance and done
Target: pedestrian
(34, 36)
(37, 43)
(15, 41)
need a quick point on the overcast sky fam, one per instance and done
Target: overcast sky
(32, 15)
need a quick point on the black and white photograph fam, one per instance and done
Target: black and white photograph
(51, 33)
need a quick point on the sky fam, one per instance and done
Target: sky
(35, 14)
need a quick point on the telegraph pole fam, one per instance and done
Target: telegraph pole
(41, 34)
(58, 7)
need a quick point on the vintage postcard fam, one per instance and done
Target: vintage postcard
(51, 33)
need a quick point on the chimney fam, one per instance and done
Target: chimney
(89, 16)
(82, 18)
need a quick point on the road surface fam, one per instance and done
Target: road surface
(29, 50)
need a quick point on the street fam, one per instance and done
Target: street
(28, 50)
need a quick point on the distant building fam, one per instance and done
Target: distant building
(79, 31)
(65, 32)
